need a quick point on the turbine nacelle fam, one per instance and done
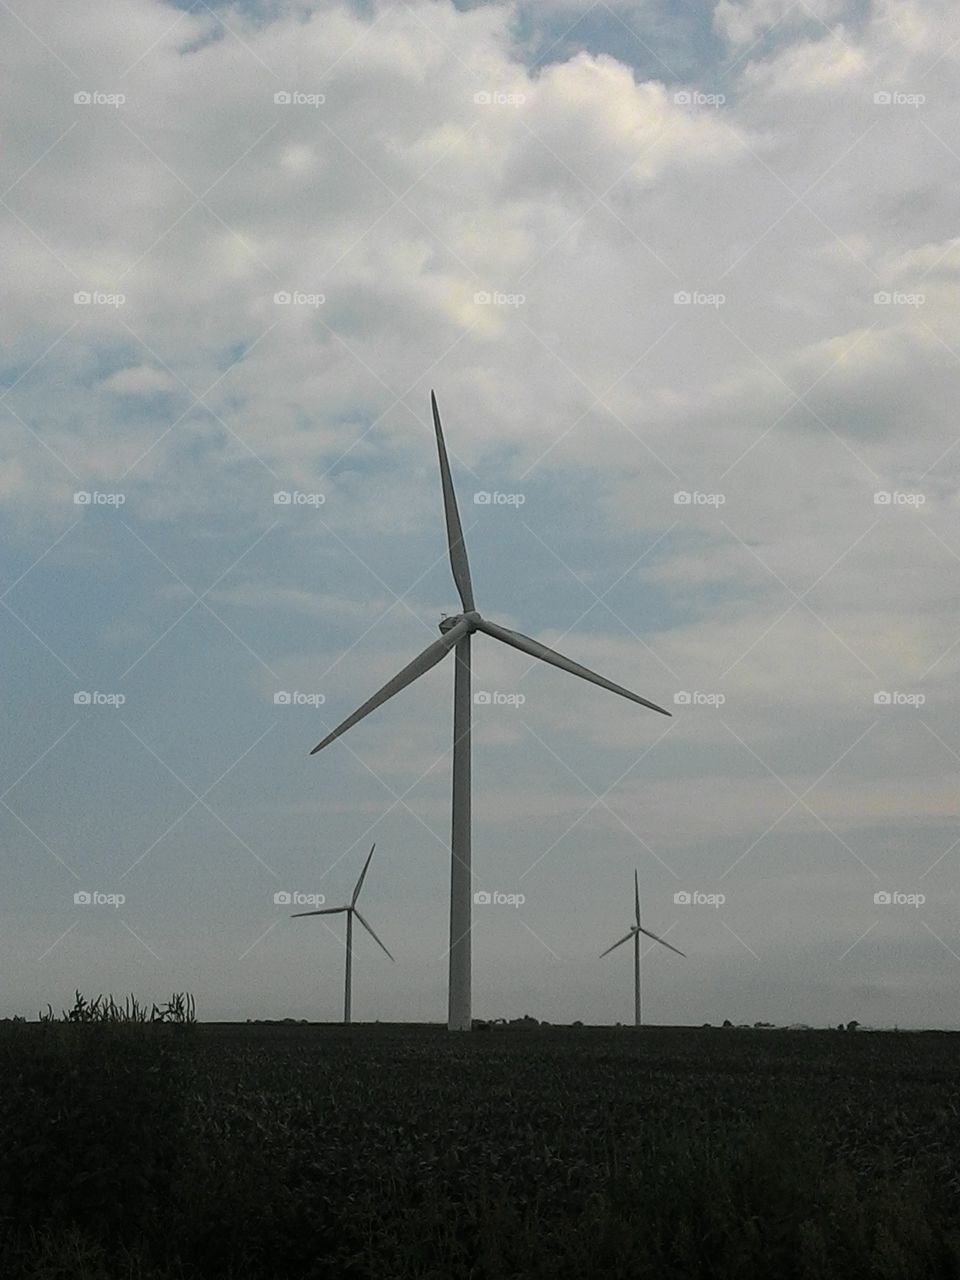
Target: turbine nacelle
(448, 623)
(635, 932)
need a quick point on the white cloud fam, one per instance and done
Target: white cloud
(742, 22)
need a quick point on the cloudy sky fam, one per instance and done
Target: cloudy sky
(684, 278)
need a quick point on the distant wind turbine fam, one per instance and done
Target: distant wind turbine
(351, 910)
(635, 932)
(455, 635)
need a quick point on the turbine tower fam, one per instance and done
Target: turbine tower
(455, 634)
(351, 910)
(635, 932)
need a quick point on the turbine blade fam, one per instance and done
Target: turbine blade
(356, 892)
(458, 552)
(538, 650)
(636, 896)
(626, 938)
(412, 671)
(662, 942)
(371, 933)
(324, 911)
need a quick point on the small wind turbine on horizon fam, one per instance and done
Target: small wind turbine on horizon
(351, 910)
(455, 635)
(635, 932)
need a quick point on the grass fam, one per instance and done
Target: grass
(157, 1151)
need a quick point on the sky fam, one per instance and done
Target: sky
(683, 276)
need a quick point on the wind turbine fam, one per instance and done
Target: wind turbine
(352, 910)
(455, 635)
(635, 932)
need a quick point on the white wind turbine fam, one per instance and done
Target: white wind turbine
(635, 932)
(351, 910)
(455, 635)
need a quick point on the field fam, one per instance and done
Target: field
(268, 1151)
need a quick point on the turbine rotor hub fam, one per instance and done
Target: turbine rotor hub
(447, 624)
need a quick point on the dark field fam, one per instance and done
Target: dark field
(561, 1153)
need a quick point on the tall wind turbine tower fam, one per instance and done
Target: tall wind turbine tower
(635, 932)
(350, 909)
(455, 635)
